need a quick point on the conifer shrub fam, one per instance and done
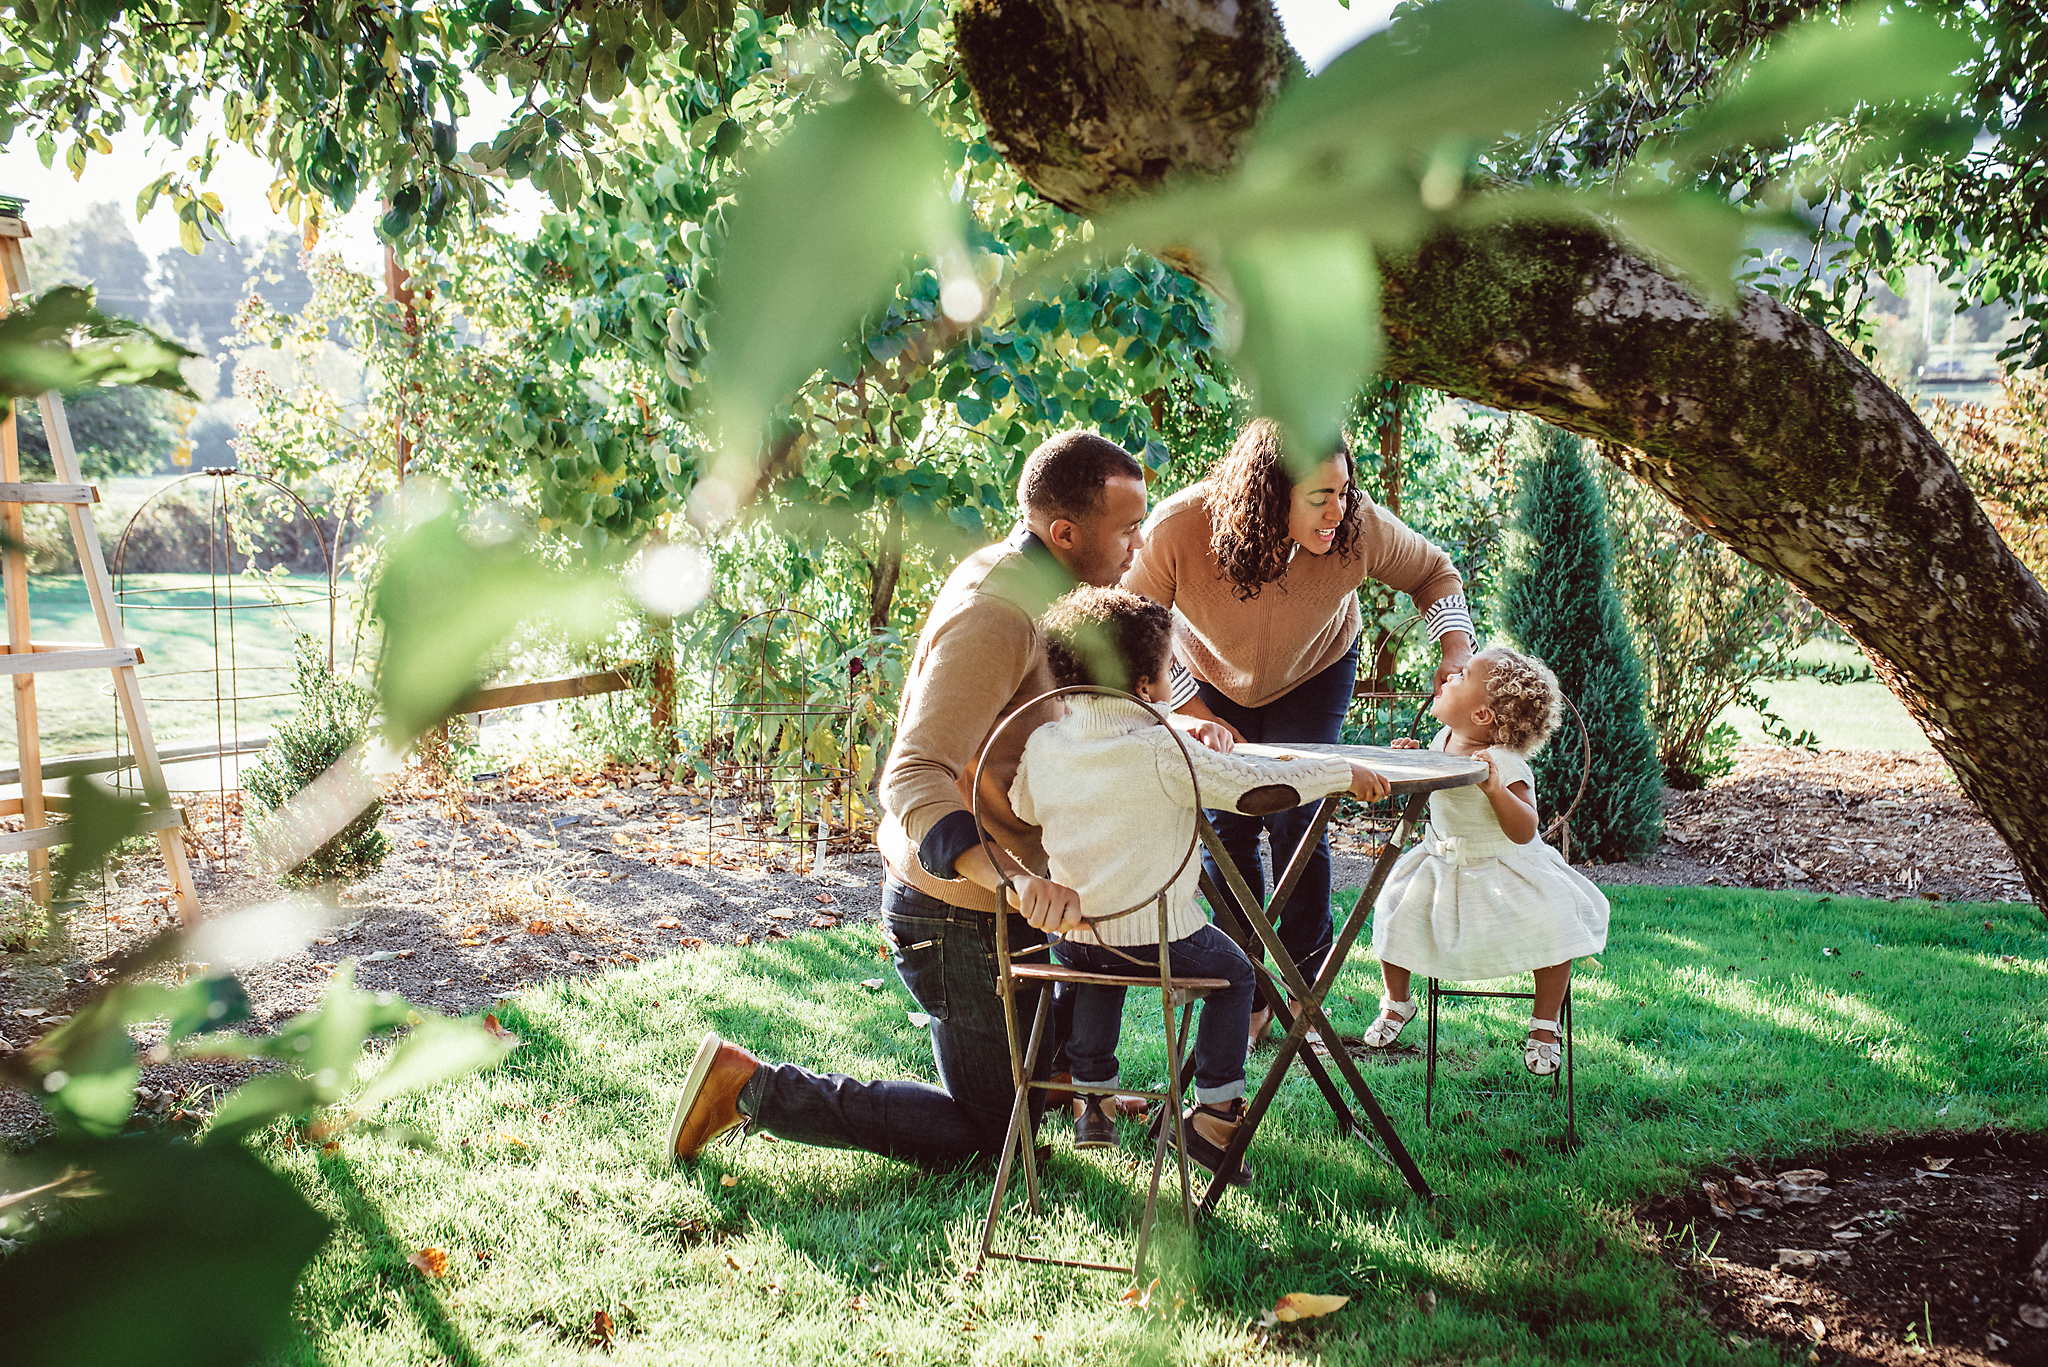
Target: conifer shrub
(333, 718)
(1560, 605)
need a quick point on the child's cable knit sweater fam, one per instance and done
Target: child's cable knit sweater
(1110, 790)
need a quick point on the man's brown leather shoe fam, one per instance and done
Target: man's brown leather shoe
(708, 1105)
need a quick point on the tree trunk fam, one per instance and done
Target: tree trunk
(1756, 423)
(884, 571)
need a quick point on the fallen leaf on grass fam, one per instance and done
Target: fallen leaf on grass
(1718, 1204)
(431, 1261)
(1136, 1297)
(776, 933)
(1816, 1327)
(691, 942)
(859, 1305)
(498, 1031)
(918, 1019)
(381, 955)
(824, 922)
(601, 1329)
(1301, 1305)
(1937, 1164)
(668, 923)
(540, 928)
(873, 984)
(728, 1181)
(781, 914)
(743, 938)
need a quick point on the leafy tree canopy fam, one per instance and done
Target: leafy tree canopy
(1964, 191)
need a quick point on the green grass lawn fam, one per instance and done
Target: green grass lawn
(1716, 1026)
(169, 616)
(1855, 716)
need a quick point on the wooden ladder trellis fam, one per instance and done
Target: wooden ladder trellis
(24, 660)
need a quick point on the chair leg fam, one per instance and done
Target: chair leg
(1173, 1073)
(1429, 1059)
(1015, 1136)
(1027, 1139)
(1571, 1113)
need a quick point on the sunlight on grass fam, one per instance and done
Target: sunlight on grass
(548, 1191)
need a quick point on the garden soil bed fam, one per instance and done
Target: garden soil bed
(497, 884)
(1930, 1251)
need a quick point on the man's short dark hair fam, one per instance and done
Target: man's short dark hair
(1065, 476)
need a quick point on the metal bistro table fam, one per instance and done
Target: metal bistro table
(1413, 774)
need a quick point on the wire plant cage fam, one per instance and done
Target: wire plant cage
(220, 672)
(782, 730)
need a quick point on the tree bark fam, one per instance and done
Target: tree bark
(1756, 423)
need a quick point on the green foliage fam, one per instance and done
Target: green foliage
(1887, 179)
(1560, 605)
(793, 280)
(448, 596)
(1708, 627)
(332, 720)
(151, 1252)
(145, 1249)
(100, 820)
(60, 341)
(129, 430)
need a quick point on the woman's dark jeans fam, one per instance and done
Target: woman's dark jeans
(1226, 1016)
(946, 956)
(1313, 712)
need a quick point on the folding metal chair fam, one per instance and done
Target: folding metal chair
(1559, 830)
(1174, 992)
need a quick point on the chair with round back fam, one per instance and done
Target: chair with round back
(1558, 831)
(1012, 977)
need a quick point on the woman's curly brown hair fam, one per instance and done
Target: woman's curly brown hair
(1250, 494)
(1526, 701)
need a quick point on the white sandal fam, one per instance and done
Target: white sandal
(1394, 1017)
(1542, 1057)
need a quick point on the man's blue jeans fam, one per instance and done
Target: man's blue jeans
(1225, 1017)
(1313, 711)
(946, 956)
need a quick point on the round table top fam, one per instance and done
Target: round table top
(1406, 771)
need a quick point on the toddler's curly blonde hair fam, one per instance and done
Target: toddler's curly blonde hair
(1526, 701)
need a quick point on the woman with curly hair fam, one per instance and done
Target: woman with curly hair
(1262, 570)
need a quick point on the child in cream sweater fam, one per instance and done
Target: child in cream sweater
(1108, 786)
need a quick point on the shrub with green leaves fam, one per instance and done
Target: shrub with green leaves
(1709, 627)
(1560, 605)
(333, 719)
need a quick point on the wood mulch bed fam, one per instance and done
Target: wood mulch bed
(1928, 1251)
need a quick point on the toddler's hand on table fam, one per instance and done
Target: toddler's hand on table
(1406, 743)
(1047, 905)
(1213, 734)
(1491, 783)
(1367, 785)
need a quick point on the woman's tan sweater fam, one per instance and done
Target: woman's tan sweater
(1259, 649)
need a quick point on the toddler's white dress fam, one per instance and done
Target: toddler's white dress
(1466, 903)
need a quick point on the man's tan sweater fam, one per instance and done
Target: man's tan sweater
(979, 658)
(1257, 650)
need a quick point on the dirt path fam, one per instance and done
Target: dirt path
(495, 885)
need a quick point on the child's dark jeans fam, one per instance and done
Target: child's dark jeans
(1225, 1016)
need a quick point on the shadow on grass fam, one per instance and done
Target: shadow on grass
(363, 1214)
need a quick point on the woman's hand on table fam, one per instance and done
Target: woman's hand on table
(1048, 906)
(1366, 784)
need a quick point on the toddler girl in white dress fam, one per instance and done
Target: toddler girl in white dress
(1480, 896)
